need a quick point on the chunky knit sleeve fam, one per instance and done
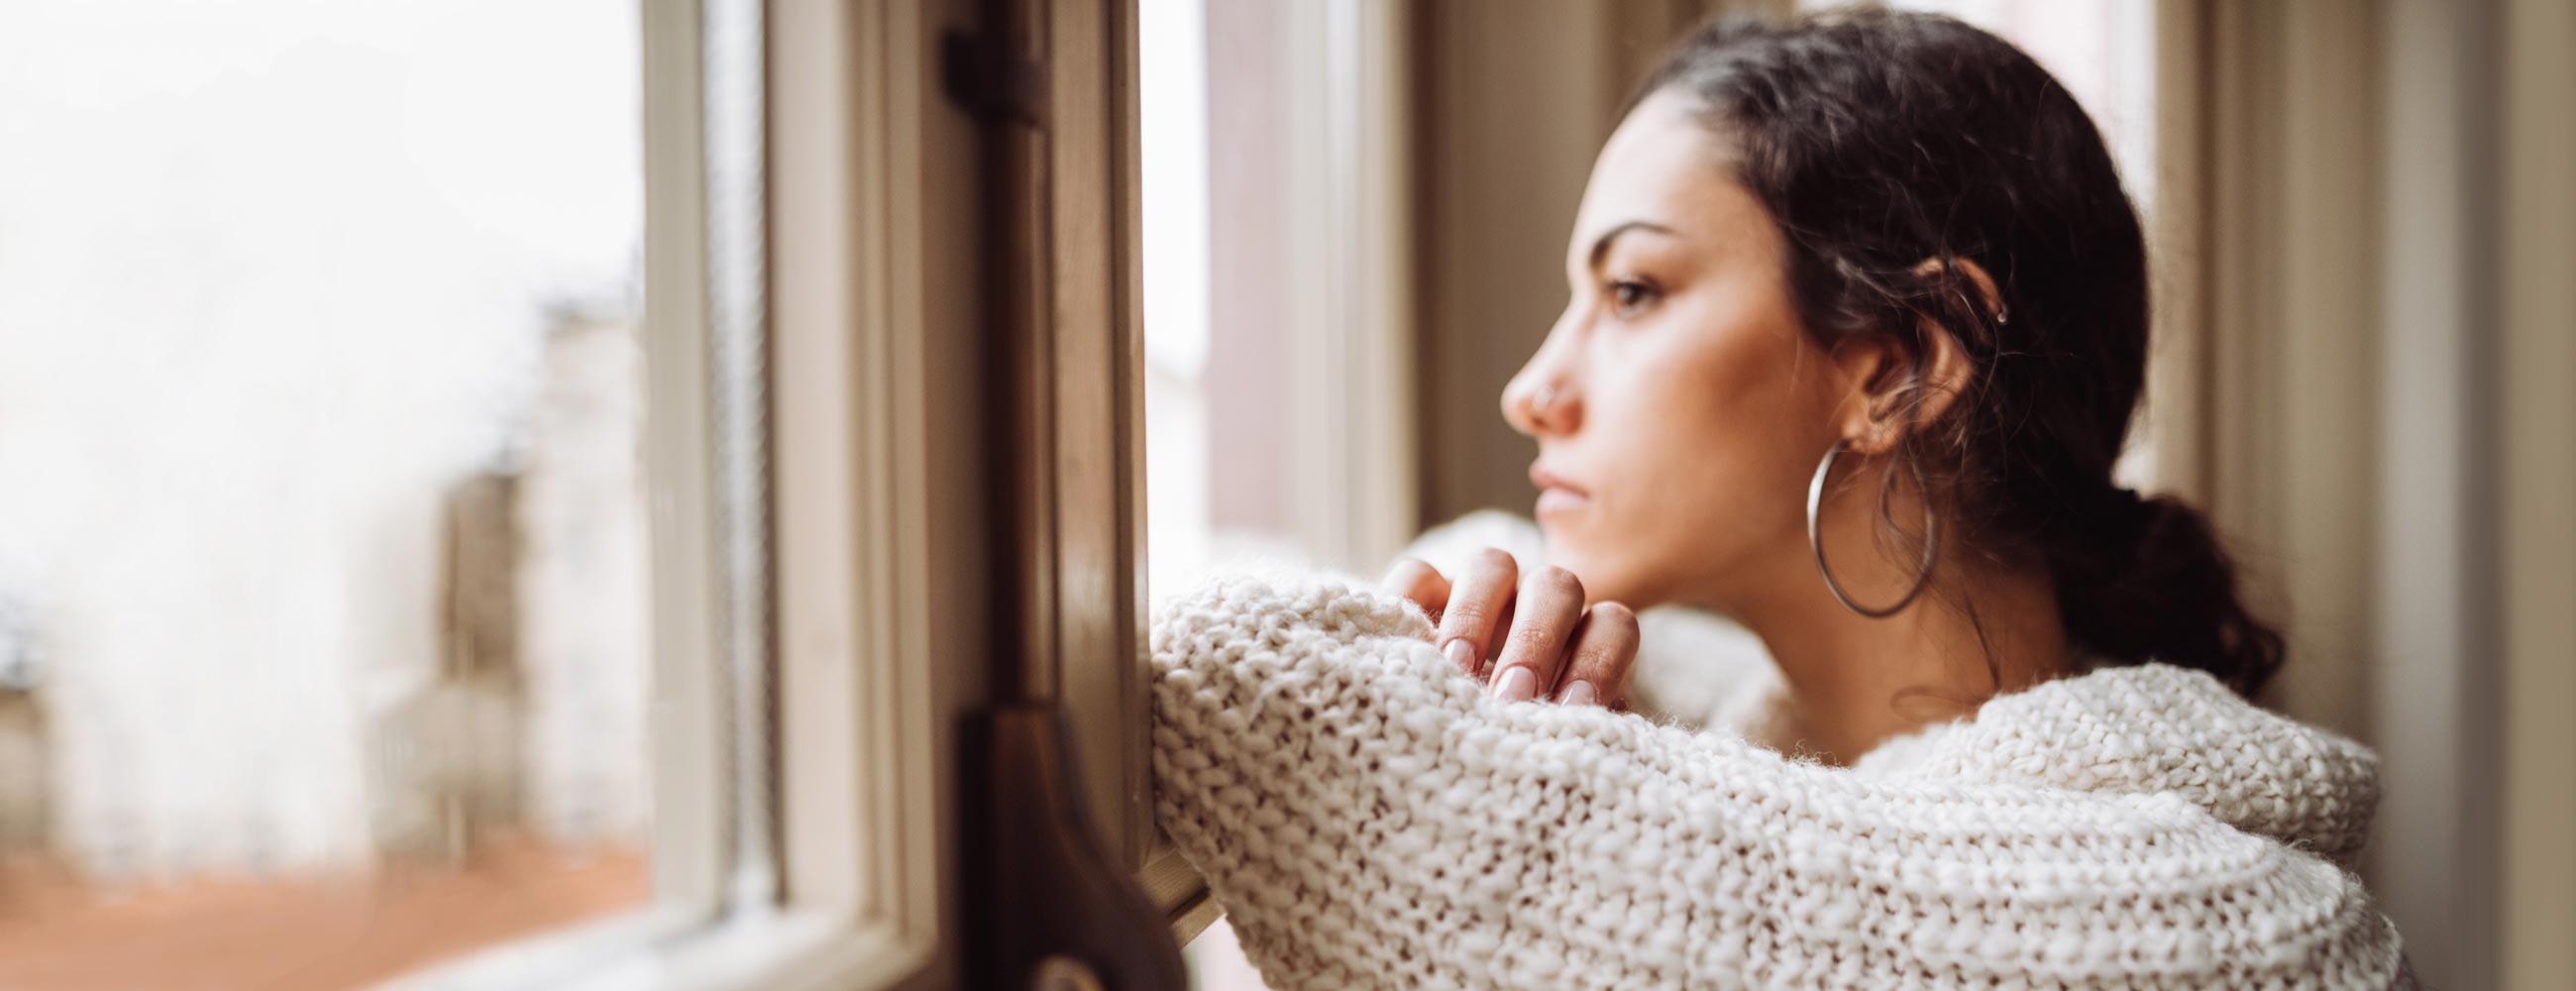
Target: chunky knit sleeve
(1370, 818)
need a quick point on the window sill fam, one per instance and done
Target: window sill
(675, 949)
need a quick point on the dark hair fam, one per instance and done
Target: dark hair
(1879, 139)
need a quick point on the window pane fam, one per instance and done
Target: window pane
(1267, 319)
(322, 555)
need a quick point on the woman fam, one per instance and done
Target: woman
(1858, 323)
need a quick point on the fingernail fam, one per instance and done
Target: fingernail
(1578, 693)
(1519, 684)
(1461, 653)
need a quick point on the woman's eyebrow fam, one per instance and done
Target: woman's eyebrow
(1601, 245)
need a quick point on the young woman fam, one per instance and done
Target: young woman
(1858, 323)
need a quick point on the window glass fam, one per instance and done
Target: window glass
(1267, 330)
(322, 547)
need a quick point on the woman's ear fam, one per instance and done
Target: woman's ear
(1897, 388)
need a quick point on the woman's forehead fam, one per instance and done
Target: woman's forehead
(1665, 168)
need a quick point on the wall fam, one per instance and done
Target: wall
(2536, 409)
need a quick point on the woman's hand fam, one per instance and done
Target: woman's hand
(1543, 640)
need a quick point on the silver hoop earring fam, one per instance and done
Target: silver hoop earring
(1816, 542)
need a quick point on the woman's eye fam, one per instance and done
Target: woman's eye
(1629, 296)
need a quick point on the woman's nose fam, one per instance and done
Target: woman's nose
(1539, 404)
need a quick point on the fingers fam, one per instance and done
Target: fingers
(1479, 600)
(1604, 657)
(1421, 583)
(1551, 603)
(1543, 639)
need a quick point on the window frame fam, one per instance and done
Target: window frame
(1078, 485)
(868, 305)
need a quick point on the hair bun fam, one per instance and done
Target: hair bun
(2167, 590)
(2126, 516)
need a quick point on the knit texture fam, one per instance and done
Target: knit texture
(1369, 817)
(1693, 667)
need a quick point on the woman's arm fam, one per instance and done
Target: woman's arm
(1369, 817)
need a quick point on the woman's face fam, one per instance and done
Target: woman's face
(1683, 409)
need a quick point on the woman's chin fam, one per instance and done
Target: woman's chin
(1560, 544)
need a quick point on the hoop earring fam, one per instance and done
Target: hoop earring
(1816, 543)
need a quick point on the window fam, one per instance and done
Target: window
(464, 532)
(326, 552)
(1277, 293)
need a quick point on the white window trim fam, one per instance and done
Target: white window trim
(866, 295)
(880, 493)
(1351, 358)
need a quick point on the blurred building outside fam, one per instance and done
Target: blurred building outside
(322, 563)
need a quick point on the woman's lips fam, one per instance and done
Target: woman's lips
(1556, 495)
(1554, 501)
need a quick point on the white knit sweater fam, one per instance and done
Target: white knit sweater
(1369, 817)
